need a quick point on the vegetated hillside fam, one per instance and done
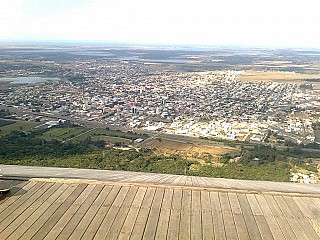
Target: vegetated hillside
(258, 163)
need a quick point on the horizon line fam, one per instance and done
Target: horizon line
(105, 43)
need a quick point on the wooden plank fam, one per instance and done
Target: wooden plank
(271, 220)
(240, 224)
(122, 214)
(20, 196)
(164, 217)
(313, 220)
(252, 227)
(218, 225)
(174, 222)
(26, 200)
(98, 218)
(242, 230)
(145, 178)
(151, 226)
(65, 218)
(206, 213)
(312, 206)
(16, 186)
(111, 214)
(234, 203)
(295, 226)
(170, 180)
(39, 217)
(140, 178)
(258, 215)
(282, 221)
(78, 215)
(132, 214)
(177, 180)
(185, 223)
(196, 217)
(154, 179)
(139, 226)
(54, 218)
(201, 182)
(194, 181)
(182, 181)
(207, 181)
(89, 215)
(166, 179)
(317, 203)
(27, 211)
(229, 224)
(187, 182)
(255, 207)
(16, 212)
(135, 178)
(298, 214)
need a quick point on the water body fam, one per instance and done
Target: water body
(27, 80)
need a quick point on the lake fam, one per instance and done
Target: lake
(27, 80)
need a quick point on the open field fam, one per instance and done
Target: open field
(278, 76)
(190, 150)
(17, 126)
(102, 132)
(111, 139)
(63, 133)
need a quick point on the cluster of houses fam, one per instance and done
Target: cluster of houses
(304, 178)
(212, 103)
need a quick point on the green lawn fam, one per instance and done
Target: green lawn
(65, 133)
(62, 134)
(17, 126)
(112, 135)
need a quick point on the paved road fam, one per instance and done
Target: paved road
(157, 179)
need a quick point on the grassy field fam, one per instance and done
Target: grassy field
(278, 76)
(110, 133)
(17, 126)
(62, 134)
(112, 139)
(78, 133)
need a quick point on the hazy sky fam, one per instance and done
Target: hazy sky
(275, 23)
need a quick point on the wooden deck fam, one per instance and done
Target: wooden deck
(26, 172)
(158, 207)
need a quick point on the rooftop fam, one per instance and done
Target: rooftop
(56, 203)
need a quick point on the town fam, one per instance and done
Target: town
(168, 103)
(200, 104)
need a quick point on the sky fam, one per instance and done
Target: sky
(272, 23)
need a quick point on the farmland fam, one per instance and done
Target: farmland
(277, 76)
